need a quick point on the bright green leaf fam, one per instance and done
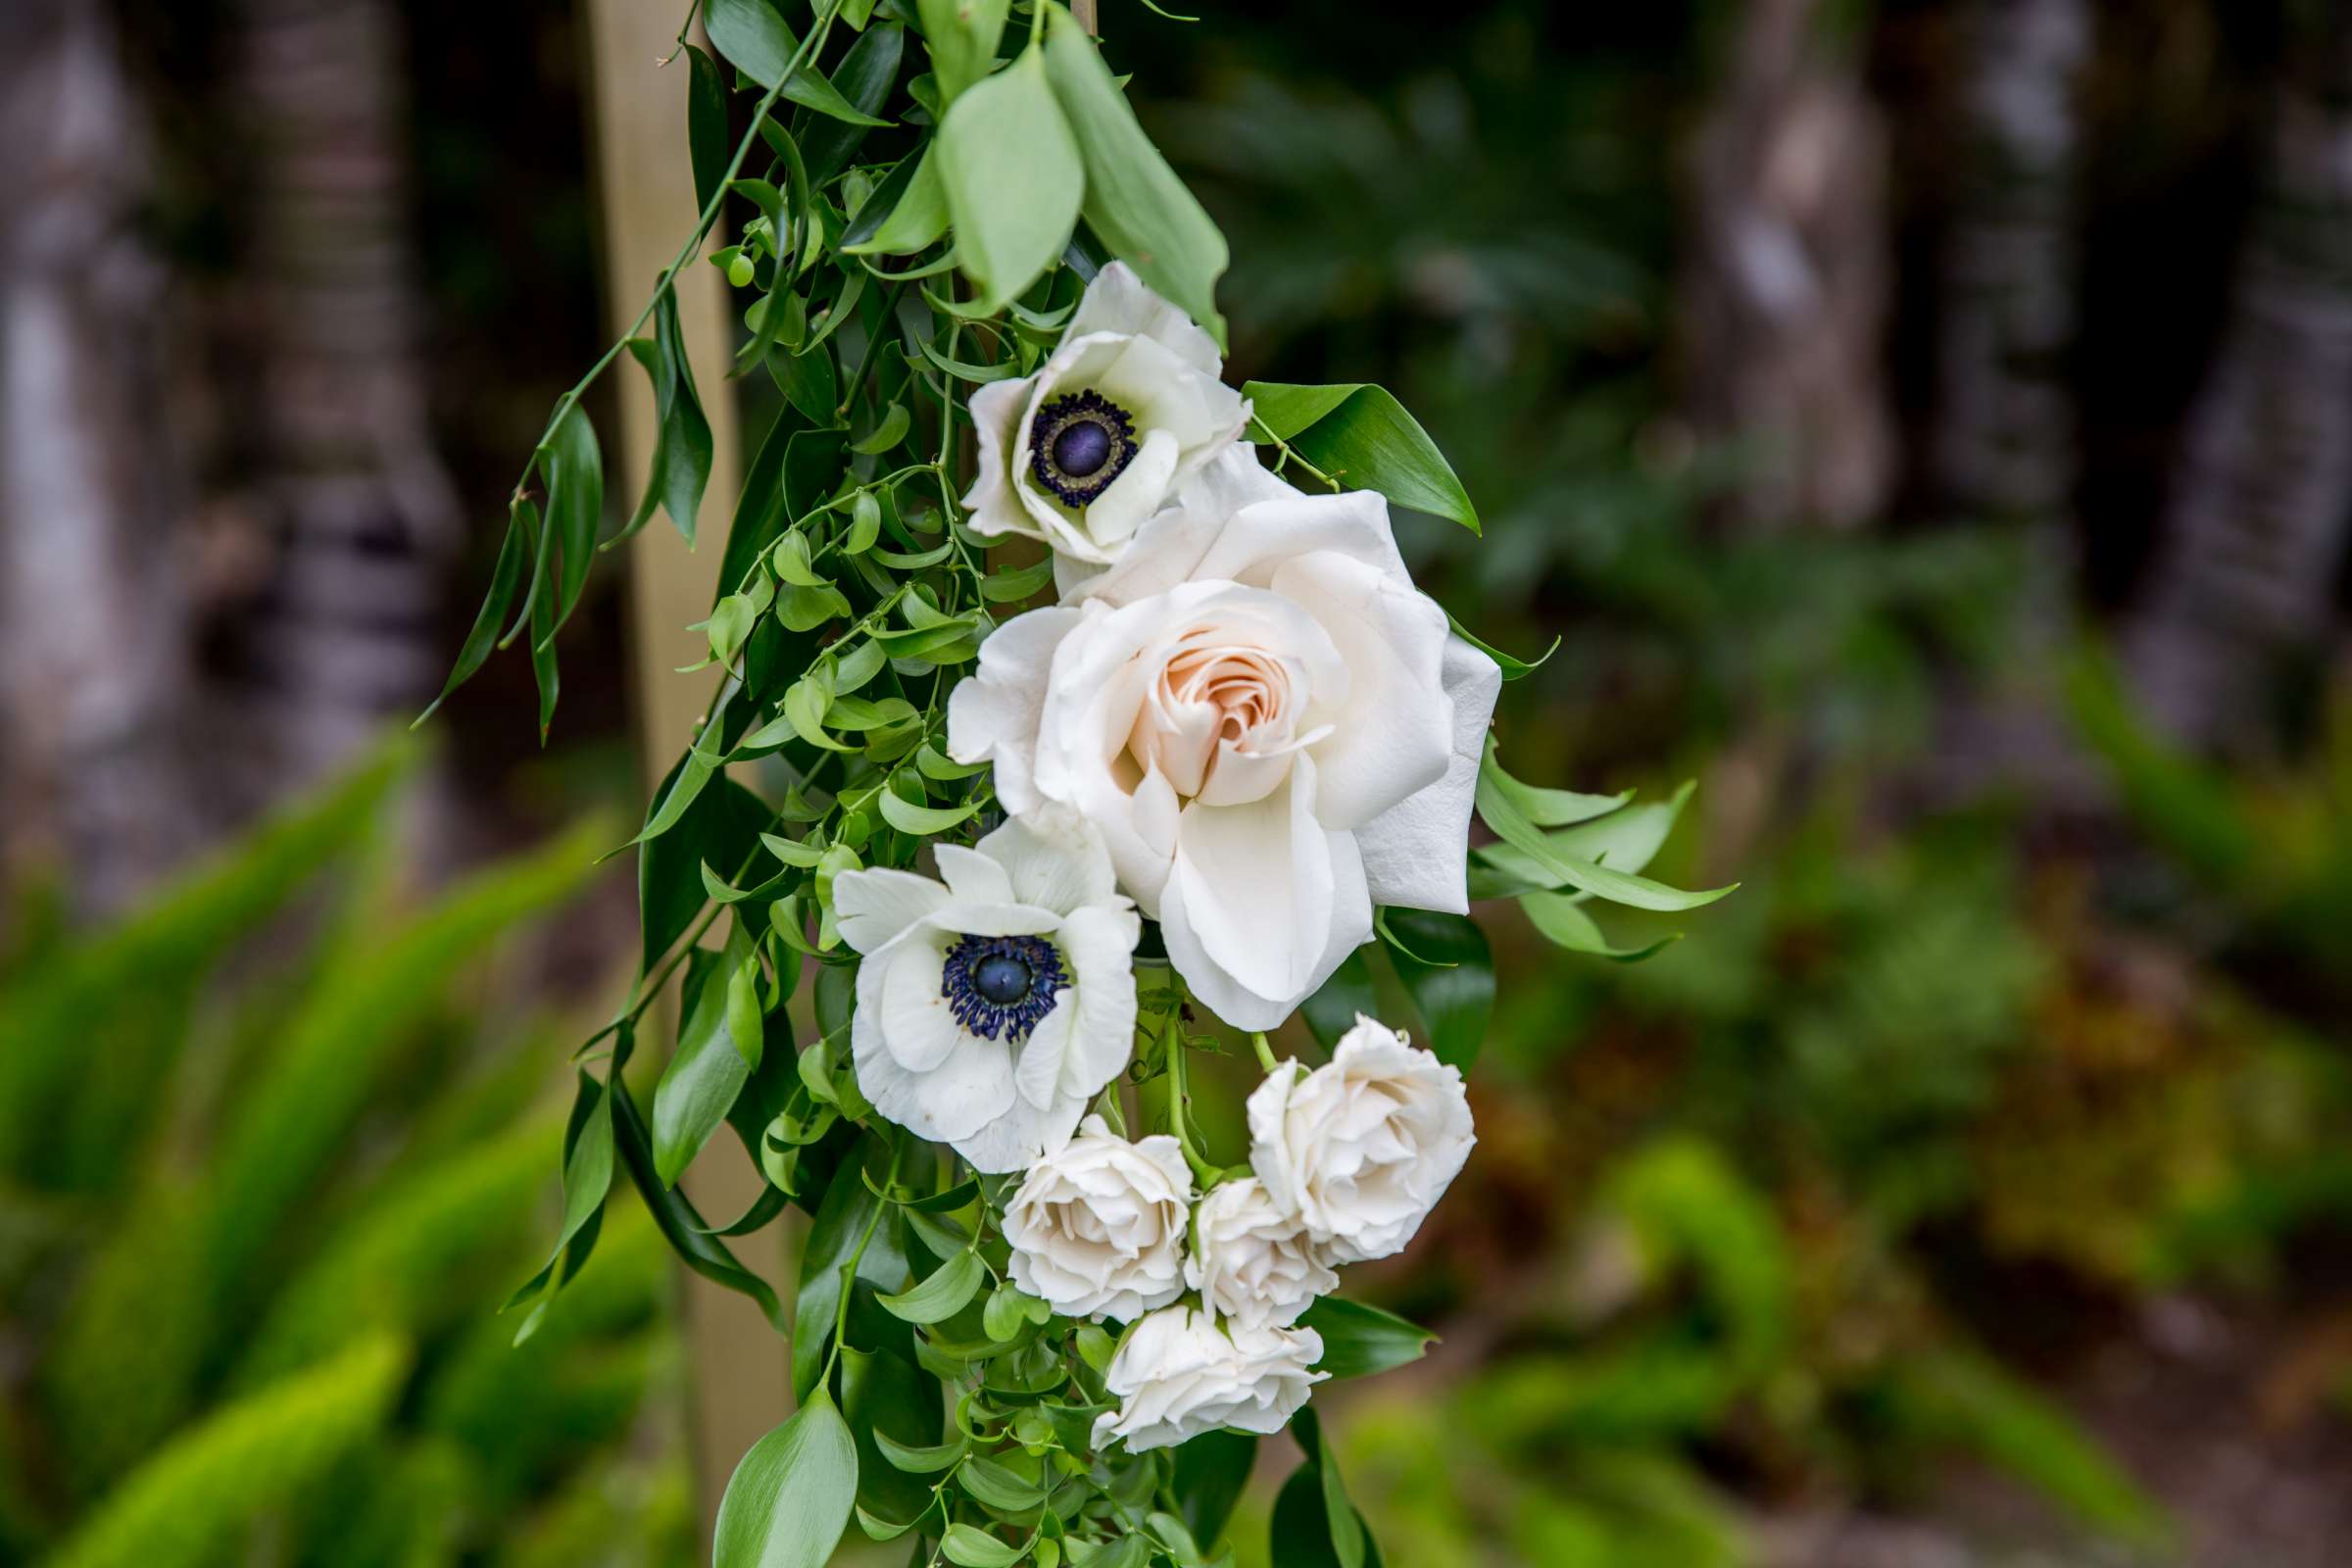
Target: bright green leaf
(790, 1498)
(1361, 437)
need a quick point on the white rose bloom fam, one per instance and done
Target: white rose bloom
(1181, 1373)
(1250, 1261)
(1125, 408)
(993, 1008)
(1361, 1149)
(1096, 1229)
(1272, 727)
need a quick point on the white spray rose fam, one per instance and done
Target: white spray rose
(1272, 727)
(1361, 1149)
(1250, 1261)
(1182, 1373)
(1098, 1228)
(993, 1008)
(1128, 405)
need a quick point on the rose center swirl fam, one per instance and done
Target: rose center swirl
(1078, 444)
(1001, 987)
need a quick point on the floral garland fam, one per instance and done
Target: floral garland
(1230, 767)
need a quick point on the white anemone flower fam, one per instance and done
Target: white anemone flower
(1126, 408)
(991, 1008)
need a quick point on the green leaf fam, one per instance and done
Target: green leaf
(790, 1498)
(962, 35)
(1012, 177)
(1346, 1527)
(683, 445)
(1558, 807)
(1006, 587)
(1363, 436)
(718, 823)
(707, 137)
(923, 1461)
(1562, 921)
(1448, 970)
(753, 36)
(1134, 202)
(1331, 1011)
(840, 1219)
(681, 1225)
(889, 433)
(865, 76)
(1301, 1533)
(1212, 1471)
(576, 505)
(916, 216)
(1626, 840)
(921, 821)
(1360, 1340)
(885, 1395)
(543, 639)
(512, 553)
(809, 382)
(709, 1068)
(998, 1485)
(1512, 667)
(587, 1168)
(948, 1290)
(970, 1548)
(1618, 887)
(966, 370)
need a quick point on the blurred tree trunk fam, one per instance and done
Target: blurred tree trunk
(2002, 446)
(363, 512)
(94, 670)
(2004, 435)
(2255, 531)
(1787, 291)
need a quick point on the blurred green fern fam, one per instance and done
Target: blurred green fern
(265, 1175)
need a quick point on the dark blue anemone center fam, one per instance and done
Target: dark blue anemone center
(1078, 444)
(1082, 448)
(1001, 979)
(1000, 988)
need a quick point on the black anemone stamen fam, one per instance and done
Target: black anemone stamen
(1001, 987)
(1078, 444)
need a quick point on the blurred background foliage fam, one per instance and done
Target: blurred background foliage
(275, 1149)
(1920, 422)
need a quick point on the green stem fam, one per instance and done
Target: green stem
(1266, 1052)
(1202, 1171)
(1290, 454)
(849, 1270)
(686, 254)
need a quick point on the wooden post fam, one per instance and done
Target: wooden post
(739, 1369)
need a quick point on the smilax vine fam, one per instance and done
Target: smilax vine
(1032, 860)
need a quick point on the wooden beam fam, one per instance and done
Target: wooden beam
(738, 1368)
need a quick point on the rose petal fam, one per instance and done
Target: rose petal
(992, 715)
(1414, 851)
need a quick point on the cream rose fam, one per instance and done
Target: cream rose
(1361, 1149)
(1096, 1229)
(1272, 727)
(1123, 410)
(1250, 1261)
(1181, 1373)
(991, 1008)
